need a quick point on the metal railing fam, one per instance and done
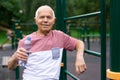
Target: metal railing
(61, 10)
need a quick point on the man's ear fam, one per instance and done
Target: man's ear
(54, 20)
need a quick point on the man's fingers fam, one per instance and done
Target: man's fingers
(80, 69)
(77, 70)
(21, 54)
(83, 68)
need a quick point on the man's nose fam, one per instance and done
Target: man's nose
(45, 19)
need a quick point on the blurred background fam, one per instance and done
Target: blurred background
(18, 17)
(24, 10)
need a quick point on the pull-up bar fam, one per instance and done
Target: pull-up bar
(83, 16)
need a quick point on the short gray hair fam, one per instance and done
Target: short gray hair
(37, 11)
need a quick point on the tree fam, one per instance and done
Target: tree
(25, 9)
(9, 9)
(29, 7)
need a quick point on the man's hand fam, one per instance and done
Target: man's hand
(20, 54)
(80, 64)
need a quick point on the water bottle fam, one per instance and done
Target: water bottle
(27, 46)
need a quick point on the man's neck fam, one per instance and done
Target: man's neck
(42, 33)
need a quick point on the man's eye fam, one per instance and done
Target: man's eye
(49, 17)
(41, 17)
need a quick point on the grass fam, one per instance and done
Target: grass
(3, 36)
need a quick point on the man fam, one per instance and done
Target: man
(46, 52)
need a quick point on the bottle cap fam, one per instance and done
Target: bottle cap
(29, 38)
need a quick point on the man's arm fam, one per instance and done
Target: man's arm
(20, 54)
(13, 62)
(80, 63)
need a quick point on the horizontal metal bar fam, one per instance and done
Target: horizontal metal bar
(92, 53)
(71, 75)
(83, 16)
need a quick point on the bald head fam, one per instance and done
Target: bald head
(43, 8)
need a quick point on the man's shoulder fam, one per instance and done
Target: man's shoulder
(57, 31)
(31, 34)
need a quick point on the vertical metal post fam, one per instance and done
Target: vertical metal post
(13, 37)
(83, 33)
(115, 35)
(114, 72)
(17, 32)
(88, 36)
(61, 25)
(17, 75)
(103, 39)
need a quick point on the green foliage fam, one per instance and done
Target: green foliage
(25, 9)
(9, 9)
(29, 7)
(77, 7)
(11, 5)
(80, 7)
(74, 7)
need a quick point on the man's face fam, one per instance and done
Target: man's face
(45, 20)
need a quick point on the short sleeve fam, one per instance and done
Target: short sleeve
(69, 42)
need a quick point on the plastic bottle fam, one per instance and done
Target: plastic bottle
(27, 46)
